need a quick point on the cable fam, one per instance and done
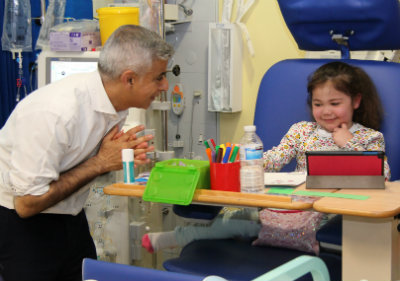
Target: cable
(20, 79)
(31, 74)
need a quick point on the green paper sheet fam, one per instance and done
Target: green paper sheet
(280, 190)
(329, 194)
(288, 191)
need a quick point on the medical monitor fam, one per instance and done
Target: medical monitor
(63, 67)
(53, 66)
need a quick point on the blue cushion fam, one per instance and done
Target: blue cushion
(107, 271)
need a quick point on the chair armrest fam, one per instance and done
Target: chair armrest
(296, 268)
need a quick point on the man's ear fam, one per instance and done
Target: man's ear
(357, 101)
(128, 77)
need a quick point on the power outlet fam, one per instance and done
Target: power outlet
(177, 143)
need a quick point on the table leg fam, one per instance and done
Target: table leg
(371, 249)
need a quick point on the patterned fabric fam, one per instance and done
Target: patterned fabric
(309, 136)
(289, 229)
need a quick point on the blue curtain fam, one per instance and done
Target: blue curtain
(7, 89)
(7, 75)
(78, 9)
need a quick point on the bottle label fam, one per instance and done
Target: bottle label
(129, 172)
(251, 153)
(252, 179)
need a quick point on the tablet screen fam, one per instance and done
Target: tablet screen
(345, 163)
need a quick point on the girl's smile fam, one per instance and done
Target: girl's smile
(331, 108)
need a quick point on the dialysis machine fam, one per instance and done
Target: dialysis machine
(53, 66)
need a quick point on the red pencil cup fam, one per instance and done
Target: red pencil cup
(225, 176)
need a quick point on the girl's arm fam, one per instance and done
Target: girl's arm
(279, 156)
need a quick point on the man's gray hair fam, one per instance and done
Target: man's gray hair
(132, 47)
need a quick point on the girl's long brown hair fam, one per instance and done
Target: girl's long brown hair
(352, 81)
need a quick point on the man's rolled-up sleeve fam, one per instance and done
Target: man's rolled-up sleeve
(40, 143)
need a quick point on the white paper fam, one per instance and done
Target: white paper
(285, 179)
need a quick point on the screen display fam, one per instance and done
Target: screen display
(63, 67)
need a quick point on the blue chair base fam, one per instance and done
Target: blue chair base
(200, 257)
(331, 232)
(194, 211)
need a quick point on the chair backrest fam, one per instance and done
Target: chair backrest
(366, 24)
(107, 271)
(282, 101)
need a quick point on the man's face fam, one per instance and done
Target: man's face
(149, 85)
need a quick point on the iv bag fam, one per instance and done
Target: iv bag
(150, 15)
(17, 31)
(54, 16)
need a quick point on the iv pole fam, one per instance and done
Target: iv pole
(164, 115)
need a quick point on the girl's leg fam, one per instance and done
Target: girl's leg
(240, 223)
(221, 228)
(156, 241)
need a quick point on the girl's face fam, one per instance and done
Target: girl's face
(331, 108)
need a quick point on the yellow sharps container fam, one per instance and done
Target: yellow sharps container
(110, 18)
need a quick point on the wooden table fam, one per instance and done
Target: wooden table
(217, 197)
(371, 245)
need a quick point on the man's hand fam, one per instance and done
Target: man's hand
(341, 135)
(143, 147)
(109, 155)
(109, 158)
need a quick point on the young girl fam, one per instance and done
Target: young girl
(347, 114)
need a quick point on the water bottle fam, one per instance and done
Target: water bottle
(251, 162)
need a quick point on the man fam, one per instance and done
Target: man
(60, 138)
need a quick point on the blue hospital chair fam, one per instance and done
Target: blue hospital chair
(107, 271)
(316, 26)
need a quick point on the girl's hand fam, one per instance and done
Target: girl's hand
(341, 135)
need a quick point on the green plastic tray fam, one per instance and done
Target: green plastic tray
(174, 181)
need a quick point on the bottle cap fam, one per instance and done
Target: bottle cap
(127, 155)
(250, 128)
